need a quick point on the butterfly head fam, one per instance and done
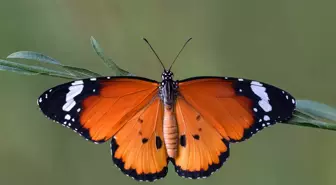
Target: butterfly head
(167, 75)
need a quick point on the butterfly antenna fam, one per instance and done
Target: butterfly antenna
(157, 56)
(179, 52)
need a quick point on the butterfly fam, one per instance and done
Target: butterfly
(190, 123)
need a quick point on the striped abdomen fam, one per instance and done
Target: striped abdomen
(170, 132)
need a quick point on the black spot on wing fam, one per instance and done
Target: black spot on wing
(144, 140)
(158, 142)
(183, 140)
(196, 136)
(198, 117)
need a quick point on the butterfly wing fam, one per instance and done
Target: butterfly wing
(237, 108)
(138, 148)
(97, 108)
(202, 150)
(125, 108)
(213, 111)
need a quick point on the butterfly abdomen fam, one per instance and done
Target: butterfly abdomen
(170, 132)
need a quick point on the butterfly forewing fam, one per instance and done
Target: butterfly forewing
(236, 107)
(97, 108)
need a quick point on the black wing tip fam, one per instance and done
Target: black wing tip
(204, 173)
(150, 177)
(50, 103)
(283, 105)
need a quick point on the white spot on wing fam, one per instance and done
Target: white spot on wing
(40, 100)
(73, 92)
(256, 83)
(93, 79)
(240, 79)
(260, 91)
(265, 105)
(266, 118)
(78, 82)
(67, 117)
(68, 105)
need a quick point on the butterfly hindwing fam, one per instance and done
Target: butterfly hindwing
(237, 108)
(138, 148)
(201, 149)
(97, 108)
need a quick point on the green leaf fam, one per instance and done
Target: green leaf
(313, 114)
(107, 61)
(80, 72)
(73, 71)
(32, 55)
(17, 70)
(10, 66)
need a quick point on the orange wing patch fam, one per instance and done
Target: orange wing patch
(217, 103)
(138, 148)
(202, 150)
(119, 100)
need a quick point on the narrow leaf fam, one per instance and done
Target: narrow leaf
(32, 55)
(317, 109)
(107, 61)
(35, 69)
(97, 48)
(17, 70)
(313, 114)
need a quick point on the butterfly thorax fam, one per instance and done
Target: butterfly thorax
(168, 88)
(168, 93)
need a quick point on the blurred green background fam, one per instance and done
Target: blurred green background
(288, 43)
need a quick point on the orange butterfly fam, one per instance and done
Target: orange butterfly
(190, 122)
